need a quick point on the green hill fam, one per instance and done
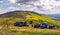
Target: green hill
(28, 15)
(7, 21)
(18, 14)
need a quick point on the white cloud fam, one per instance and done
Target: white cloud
(12, 1)
(34, 9)
(12, 8)
(39, 6)
(55, 10)
(2, 11)
(46, 4)
(1, 1)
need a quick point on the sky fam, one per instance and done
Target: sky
(39, 6)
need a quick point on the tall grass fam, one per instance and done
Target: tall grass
(27, 30)
(34, 33)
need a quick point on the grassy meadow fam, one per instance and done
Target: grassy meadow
(15, 30)
(7, 24)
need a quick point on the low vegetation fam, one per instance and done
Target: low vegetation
(7, 24)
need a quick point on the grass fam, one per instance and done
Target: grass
(42, 18)
(29, 30)
(15, 30)
(33, 31)
(25, 30)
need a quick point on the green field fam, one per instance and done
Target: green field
(7, 24)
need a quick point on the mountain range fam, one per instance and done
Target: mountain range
(55, 15)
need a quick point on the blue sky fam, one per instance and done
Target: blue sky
(39, 6)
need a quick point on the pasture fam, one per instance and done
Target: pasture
(7, 28)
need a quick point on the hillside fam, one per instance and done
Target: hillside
(17, 14)
(27, 15)
(7, 21)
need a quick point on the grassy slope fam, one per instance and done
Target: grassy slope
(43, 18)
(29, 15)
(25, 16)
